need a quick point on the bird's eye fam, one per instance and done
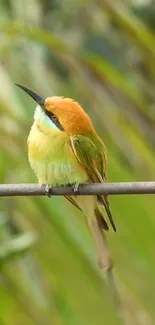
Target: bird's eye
(54, 117)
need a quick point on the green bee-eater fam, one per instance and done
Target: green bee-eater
(64, 148)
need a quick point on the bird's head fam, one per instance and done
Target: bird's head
(59, 114)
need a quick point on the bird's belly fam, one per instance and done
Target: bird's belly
(58, 173)
(52, 159)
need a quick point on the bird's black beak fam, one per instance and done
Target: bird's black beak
(36, 97)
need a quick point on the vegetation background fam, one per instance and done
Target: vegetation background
(101, 53)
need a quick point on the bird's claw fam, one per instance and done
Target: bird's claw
(48, 190)
(76, 189)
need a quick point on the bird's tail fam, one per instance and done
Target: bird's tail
(100, 218)
(96, 226)
(103, 200)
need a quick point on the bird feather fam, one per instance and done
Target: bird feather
(94, 162)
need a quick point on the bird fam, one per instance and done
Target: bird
(65, 149)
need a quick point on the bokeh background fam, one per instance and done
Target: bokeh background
(101, 53)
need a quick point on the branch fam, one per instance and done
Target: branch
(85, 189)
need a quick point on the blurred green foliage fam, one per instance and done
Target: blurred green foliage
(103, 55)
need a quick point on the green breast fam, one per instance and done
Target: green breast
(52, 159)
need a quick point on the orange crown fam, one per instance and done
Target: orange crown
(70, 114)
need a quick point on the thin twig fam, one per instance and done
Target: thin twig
(85, 189)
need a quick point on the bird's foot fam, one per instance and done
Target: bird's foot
(76, 189)
(48, 190)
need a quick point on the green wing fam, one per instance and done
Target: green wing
(89, 156)
(92, 157)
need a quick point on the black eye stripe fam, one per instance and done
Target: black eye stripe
(49, 114)
(54, 119)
